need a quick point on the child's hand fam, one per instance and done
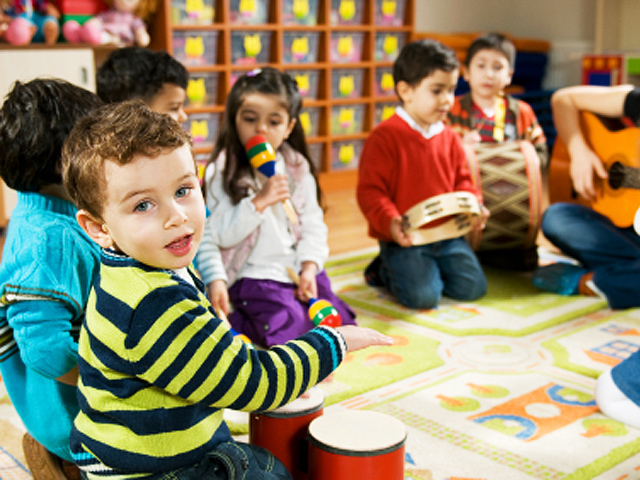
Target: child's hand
(398, 234)
(307, 288)
(275, 189)
(219, 296)
(357, 338)
(480, 222)
(471, 137)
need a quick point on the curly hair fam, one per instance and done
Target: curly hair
(119, 133)
(35, 120)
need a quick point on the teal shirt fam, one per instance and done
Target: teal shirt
(157, 368)
(47, 269)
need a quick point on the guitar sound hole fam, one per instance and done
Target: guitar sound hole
(616, 175)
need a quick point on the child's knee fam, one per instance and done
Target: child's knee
(419, 298)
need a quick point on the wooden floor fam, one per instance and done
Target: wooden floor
(347, 226)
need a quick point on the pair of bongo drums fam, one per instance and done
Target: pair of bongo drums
(341, 445)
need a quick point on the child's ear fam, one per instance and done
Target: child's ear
(465, 72)
(404, 90)
(96, 229)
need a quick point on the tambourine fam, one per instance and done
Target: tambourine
(462, 207)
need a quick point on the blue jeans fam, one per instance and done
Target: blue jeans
(610, 252)
(419, 276)
(231, 461)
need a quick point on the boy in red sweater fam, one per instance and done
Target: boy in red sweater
(407, 159)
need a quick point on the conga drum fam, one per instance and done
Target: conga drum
(282, 431)
(508, 174)
(356, 445)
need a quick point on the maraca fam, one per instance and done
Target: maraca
(263, 158)
(321, 312)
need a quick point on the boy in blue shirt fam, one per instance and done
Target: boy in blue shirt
(48, 264)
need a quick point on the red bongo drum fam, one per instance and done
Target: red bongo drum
(356, 445)
(282, 431)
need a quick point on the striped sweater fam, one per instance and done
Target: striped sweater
(157, 367)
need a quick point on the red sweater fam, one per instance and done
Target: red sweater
(399, 168)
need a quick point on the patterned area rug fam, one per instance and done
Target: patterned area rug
(509, 386)
(493, 389)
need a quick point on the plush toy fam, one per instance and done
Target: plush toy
(29, 21)
(123, 24)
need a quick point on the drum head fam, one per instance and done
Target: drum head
(357, 432)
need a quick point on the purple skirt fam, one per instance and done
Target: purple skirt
(269, 314)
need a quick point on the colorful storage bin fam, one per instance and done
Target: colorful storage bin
(347, 83)
(388, 46)
(346, 47)
(248, 12)
(346, 155)
(250, 47)
(202, 89)
(390, 12)
(384, 85)
(307, 82)
(310, 120)
(202, 159)
(384, 111)
(203, 128)
(195, 47)
(192, 12)
(300, 47)
(347, 119)
(346, 12)
(300, 12)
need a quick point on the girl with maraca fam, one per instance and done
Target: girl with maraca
(266, 217)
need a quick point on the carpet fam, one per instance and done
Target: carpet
(500, 388)
(10, 468)
(509, 394)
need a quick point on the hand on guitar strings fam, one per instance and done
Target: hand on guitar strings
(585, 168)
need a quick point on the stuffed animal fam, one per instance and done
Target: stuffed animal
(27, 21)
(123, 24)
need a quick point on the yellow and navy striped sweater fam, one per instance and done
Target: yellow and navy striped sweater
(157, 367)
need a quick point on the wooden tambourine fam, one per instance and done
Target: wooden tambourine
(462, 207)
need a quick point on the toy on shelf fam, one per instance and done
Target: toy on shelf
(320, 311)
(122, 24)
(263, 158)
(28, 21)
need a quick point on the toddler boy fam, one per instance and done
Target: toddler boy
(157, 367)
(156, 78)
(407, 159)
(487, 114)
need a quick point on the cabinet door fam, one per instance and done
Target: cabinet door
(73, 65)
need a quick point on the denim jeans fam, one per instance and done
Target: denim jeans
(418, 276)
(610, 252)
(231, 461)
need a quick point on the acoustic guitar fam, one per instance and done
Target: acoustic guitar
(618, 197)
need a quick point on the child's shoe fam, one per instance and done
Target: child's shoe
(561, 278)
(372, 273)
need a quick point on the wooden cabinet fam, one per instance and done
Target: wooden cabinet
(340, 51)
